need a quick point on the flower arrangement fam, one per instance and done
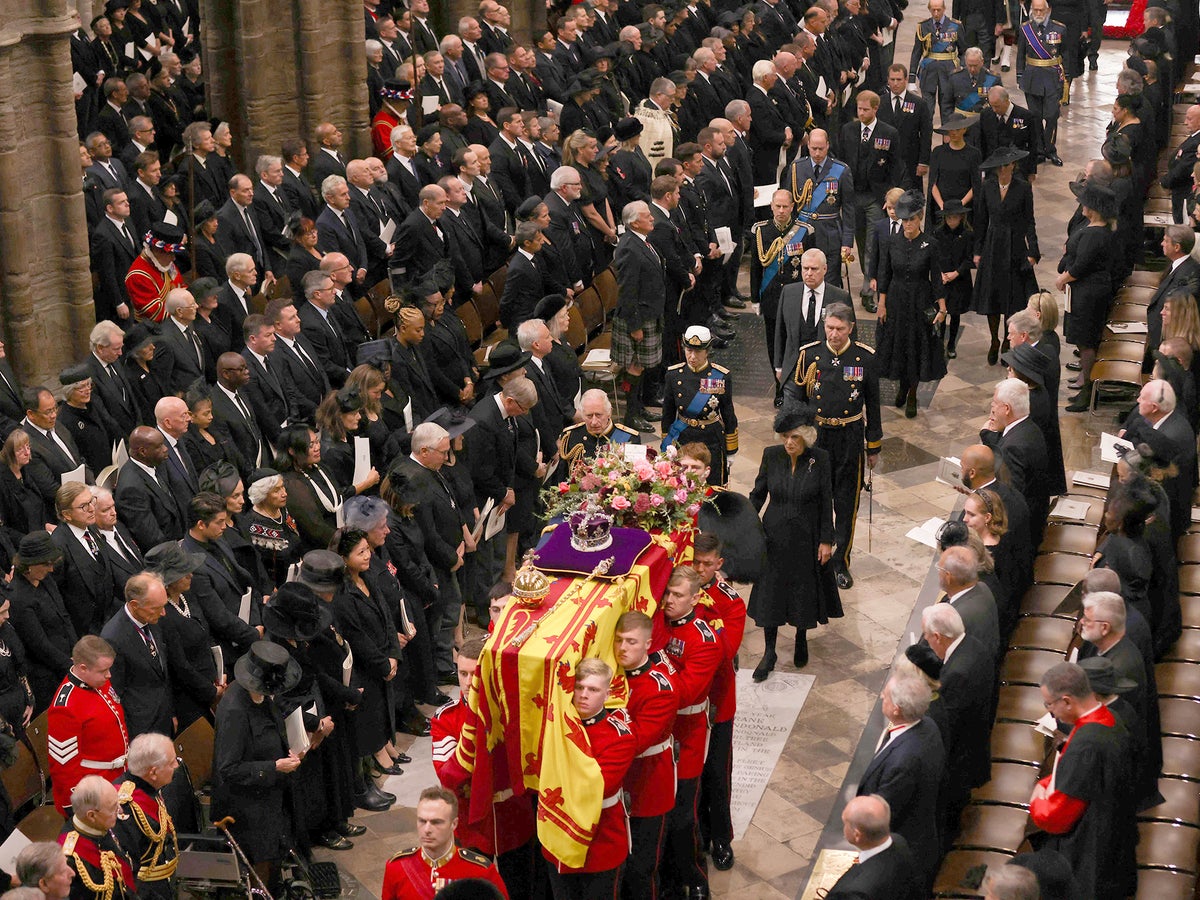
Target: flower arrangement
(653, 494)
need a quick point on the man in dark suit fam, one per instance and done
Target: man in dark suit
(295, 185)
(870, 148)
(220, 584)
(1018, 444)
(508, 166)
(322, 330)
(1004, 124)
(84, 577)
(272, 210)
(112, 394)
(1183, 277)
(524, 283)
(673, 244)
(111, 121)
(720, 186)
(179, 355)
(912, 118)
(1178, 177)
(109, 170)
(145, 204)
(962, 710)
(142, 669)
(402, 167)
(420, 242)
(885, 869)
(467, 249)
(801, 314)
(554, 80)
(552, 413)
(264, 390)
(183, 476)
(368, 215)
(568, 230)
(907, 767)
(12, 407)
(446, 349)
(233, 299)
(328, 159)
(241, 232)
(145, 503)
(54, 451)
(337, 230)
(114, 246)
(1166, 429)
(978, 467)
(119, 547)
(294, 361)
(199, 179)
(958, 577)
(231, 408)
(769, 131)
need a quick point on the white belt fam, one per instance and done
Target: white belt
(656, 749)
(611, 801)
(694, 709)
(117, 763)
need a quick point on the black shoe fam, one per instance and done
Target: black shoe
(993, 352)
(1083, 400)
(1004, 348)
(725, 315)
(331, 840)
(402, 758)
(800, 654)
(393, 769)
(643, 426)
(389, 797)
(345, 829)
(764, 667)
(844, 581)
(1073, 367)
(735, 303)
(910, 407)
(1053, 158)
(1092, 67)
(437, 698)
(718, 327)
(722, 856)
(649, 415)
(900, 395)
(869, 304)
(720, 343)
(373, 799)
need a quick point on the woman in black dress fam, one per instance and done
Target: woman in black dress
(984, 514)
(270, 527)
(338, 418)
(953, 168)
(222, 479)
(1142, 151)
(211, 252)
(79, 417)
(580, 150)
(1138, 469)
(1124, 548)
(955, 246)
(1006, 245)
(630, 173)
(40, 617)
(205, 444)
(562, 361)
(21, 507)
(368, 379)
(304, 256)
(480, 129)
(210, 328)
(139, 350)
(912, 303)
(16, 694)
(799, 588)
(1086, 267)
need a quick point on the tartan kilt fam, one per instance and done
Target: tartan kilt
(646, 353)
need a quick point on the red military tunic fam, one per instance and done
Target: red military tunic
(86, 735)
(411, 875)
(511, 823)
(652, 707)
(381, 131)
(148, 286)
(613, 744)
(696, 653)
(102, 869)
(727, 617)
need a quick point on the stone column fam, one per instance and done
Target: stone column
(46, 309)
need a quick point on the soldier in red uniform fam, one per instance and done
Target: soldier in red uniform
(696, 652)
(154, 274)
(418, 873)
(397, 94)
(506, 834)
(725, 612)
(650, 783)
(144, 827)
(85, 728)
(101, 864)
(613, 746)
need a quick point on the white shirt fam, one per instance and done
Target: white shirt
(864, 855)
(145, 468)
(1013, 425)
(819, 290)
(1175, 263)
(1158, 424)
(79, 533)
(525, 253)
(240, 293)
(958, 640)
(894, 732)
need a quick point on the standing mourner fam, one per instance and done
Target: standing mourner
(698, 403)
(937, 53)
(955, 245)
(840, 378)
(774, 261)
(821, 187)
(1040, 72)
(104, 870)
(638, 324)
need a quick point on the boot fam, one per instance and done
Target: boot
(633, 400)
(1083, 400)
(765, 666)
(994, 352)
(1006, 56)
(910, 407)
(900, 394)
(800, 654)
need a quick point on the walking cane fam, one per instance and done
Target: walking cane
(255, 890)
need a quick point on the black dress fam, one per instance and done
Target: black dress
(1088, 258)
(299, 263)
(480, 131)
(276, 541)
(90, 434)
(1131, 559)
(185, 627)
(22, 509)
(210, 258)
(955, 247)
(910, 275)
(15, 692)
(595, 193)
(146, 387)
(1005, 239)
(366, 624)
(954, 173)
(40, 619)
(795, 589)
(204, 454)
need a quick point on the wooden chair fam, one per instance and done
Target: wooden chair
(487, 304)
(1186, 649)
(1128, 351)
(1189, 608)
(988, 827)
(1143, 278)
(1178, 679)
(1181, 760)
(1028, 666)
(1127, 312)
(1138, 295)
(576, 336)
(497, 279)
(1063, 537)
(592, 309)
(1019, 743)
(35, 735)
(281, 288)
(1177, 718)
(1060, 568)
(951, 878)
(605, 284)
(1044, 600)
(1166, 845)
(43, 823)
(1165, 884)
(1114, 373)
(1011, 785)
(1095, 503)
(1189, 579)
(366, 312)
(469, 316)
(195, 746)
(1188, 549)
(1042, 633)
(24, 780)
(1020, 703)
(1181, 802)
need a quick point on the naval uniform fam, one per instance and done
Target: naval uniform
(411, 875)
(937, 53)
(146, 830)
(821, 194)
(699, 406)
(86, 735)
(102, 868)
(844, 387)
(773, 266)
(576, 442)
(1040, 75)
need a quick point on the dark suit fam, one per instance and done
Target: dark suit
(305, 384)
(48, 463)
(218, 587)
(1022, 130)
(367, 218)
(977, 607)
(767, 134)
(793, 328)
(419, 245)
(177, 361)
(492, 451)
(12, 409)
(641, 281)
(41, 621)
(467, 251)
(914, 126)
(300, 194)
(271, 211)
(1175, 441)
(1023, 452)
(112, 123)
(877, 167)
(113, 252)
(335, 235)
(325, 164)
(230, 315)
(201, 181)
(552, 413)
(86, 582)
(906, 773)
(268, 399)
(509, 173)
(236, 235)
(568, 232)
(1182, 279)
(326, 338)
(140, 677)
(523, 288)
(245, 431)
(407, 181)
(106, 177)
(888, 875)
(147, 507)
(183, 476)
(410, 372)
(551, 75)
(113, 396)
(145, 208)
(123, 555)
(1178, 178)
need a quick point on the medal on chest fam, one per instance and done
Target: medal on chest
(712, 385)
(675, 648)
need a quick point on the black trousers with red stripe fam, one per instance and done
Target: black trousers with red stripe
(716, 786)
(640, 881)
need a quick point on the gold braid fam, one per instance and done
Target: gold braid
(153, 870)
(108, 865)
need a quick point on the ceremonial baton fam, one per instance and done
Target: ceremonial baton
(870, 504)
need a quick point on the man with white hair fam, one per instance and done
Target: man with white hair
(1019, 445)
(43, 870)
(597, 429)
(637, 334)
(233, 299)
(273, 208)
(769, 131)
(551, 414)
(111, 390)
(907, 767)
(659, 134)
(240, 230)
(336, 229)
(144, 827)
(1170, 436)
(801, 314)
(179, 355)
(88, 843)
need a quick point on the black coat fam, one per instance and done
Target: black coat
(305, 385)
(913, 127)
(336, 236)
(325, 336)
(889, 875)
(767, 134)
(48, 463)
(641, 281)
(963, 711)
(315, 523)
(418, 246)
(85, 582)
(508, 173)
(245, 432)
(300, 194)
(217, 590)
(43, 624)
(1023, 452)
(112, 255)
(190, 634)
(491, 448)
(877, 167)
(368, 625)
(89, 429)
(523, 288)
(148, 508)
(177, 362)
(1182, 279)
(114, 395)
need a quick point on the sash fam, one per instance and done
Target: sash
(1035, 42)
(693, 411)
(975, 99)
(619, 437)
(772, 257)
(806, 215)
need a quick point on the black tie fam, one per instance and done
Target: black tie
(817, 173)
(132, 241)
(186, 462)
(895, 228)
(811, 318)
(896, 105)
(887, 739)
(253, 236)
(191, 336)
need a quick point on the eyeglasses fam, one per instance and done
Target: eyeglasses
(91, 504)
(1049, 705)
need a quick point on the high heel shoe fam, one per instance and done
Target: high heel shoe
(910, 407)
(765, 665)
(900, 394)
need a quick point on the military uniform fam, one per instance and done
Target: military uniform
(102, 868)
(86, 735)
(822, 205)
(773, 266)
(699, 404)
(411, 875)
(577, 442)
(147, 287)
(937, 53)
(146, 830)
(1040, 76)
(968, 92)
(844, 388)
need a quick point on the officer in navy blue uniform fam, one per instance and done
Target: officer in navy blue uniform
(969, 87)
(821, 188)
(1040, 73)
(597, 429)
(698, 404)
(937, 53)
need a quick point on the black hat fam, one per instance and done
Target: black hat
(1003, 156)
(952, 533)
(1099, 199)
(678, 76)
(427, 134)
(1027, 360)
(472, 90)
(794, 415)
(957, 121)
(603, 152)
(154, 68)
(295, 613)
(74, 374)
(953, 208)
(267, 669)
(608, 51)
(396, 89)
(170, 562)
(138, 337)
(603, 133)
(349, 400)
(1117, 150)
(260, 474)
(505, 358)
(528, 207)
(455, 421)
(1137, 64)
(167, 238)
(377, 353)
(550, 306)
(202, 212)
(1104, 677)
(923, 657)
(37, 549)
(116, 4)
(206, 286)
(219, 478)
(911, 204)
(322, 570)
(627, 128)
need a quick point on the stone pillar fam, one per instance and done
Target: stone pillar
(46, 309)
(276, 70)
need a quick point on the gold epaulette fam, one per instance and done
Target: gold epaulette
(69, 842)
(721, 369)
(626, 429)
(125, 794)
(473, 856)
(407, 851)
(676, 366)
(866, 347)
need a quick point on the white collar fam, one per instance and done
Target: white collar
(525, 253)
(864, 855)
(1013, 425)
(1175, 264)
(120, 223)
(145, 468)
(78, 532)
(499, 398)
(953, 646)
(1158, 424)
(232, 395)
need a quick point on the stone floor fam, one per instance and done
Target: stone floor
(850, 656)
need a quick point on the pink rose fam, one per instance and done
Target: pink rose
(614, 476)
(693, 509)
(620, 502)
(644, 471)
(663, 467)
(672, 482)
(641, 504)
(657, 500)
(589, 483)
(564, 487)
(681, 496)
